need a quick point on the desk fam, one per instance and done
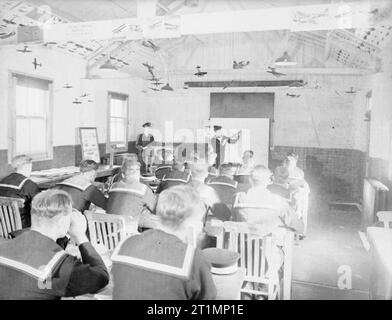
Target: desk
(46, 179)
(228, 288)
(381, 250)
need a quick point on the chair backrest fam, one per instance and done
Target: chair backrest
(386, 218)
(10, 219)
(254, 245)
(255, 213)
(105, 229)
(225, 193)
(125, 202)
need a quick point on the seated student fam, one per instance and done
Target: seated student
(164, 163)
(159, 264)
(296, 175)
(259, 195)
(199, 172)
(177, 176)
(129, 196)
(18, 185)
(120, 175)
(224, 184)
(33, 266)
(226, 188)
(81, 189)
(280, 185)
(247, 163)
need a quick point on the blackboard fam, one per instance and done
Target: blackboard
(242, 105)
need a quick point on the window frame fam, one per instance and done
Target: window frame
(108, 142)
(12, 117)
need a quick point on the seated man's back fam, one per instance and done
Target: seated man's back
(129, 198)
(81, 189)
(19, 185)
(179, 271)
(174, 178)
(34, 266)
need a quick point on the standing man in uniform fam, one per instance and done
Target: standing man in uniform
(219, 142)
(19, 185)
(143, 141)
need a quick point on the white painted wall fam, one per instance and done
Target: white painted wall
(319, 118)
(67, 117)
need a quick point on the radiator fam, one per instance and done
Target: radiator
(374, 200)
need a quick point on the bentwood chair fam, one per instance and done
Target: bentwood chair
(106, 229)
(10, 219)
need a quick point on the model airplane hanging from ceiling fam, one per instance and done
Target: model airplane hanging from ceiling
(293, 95)
(228, 85)
(240, 65)
(352, 90)
(274, 72)
(24, 50)
(150, 44)
(150, 69)
(154, 89)
(84, 95)
(67, 86)
(297, 84)
(200, 73)
(77, 101)
(36, 64)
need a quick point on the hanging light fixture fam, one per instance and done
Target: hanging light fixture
(167, 87)
(285, 60)
(108, 66)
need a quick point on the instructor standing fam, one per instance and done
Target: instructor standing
(219, 142)
(143, 141)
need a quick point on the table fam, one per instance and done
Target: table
(228, 288)
(381, 251)
(46, 179)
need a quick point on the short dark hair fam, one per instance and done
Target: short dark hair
(227, 168)
(293, 154)
(250, 151)
(88, 165)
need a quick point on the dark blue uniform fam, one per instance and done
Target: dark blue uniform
(16, 185)
(159, 266)
(33, 266)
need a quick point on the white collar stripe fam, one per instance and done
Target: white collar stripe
(126, 190)
(183, 272)
(37, 273)
(14, 187)
(223, 184)
(81, 188)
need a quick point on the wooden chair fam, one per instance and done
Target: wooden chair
(10, 219)
(386, 218)
(106, 229)
(259, 256)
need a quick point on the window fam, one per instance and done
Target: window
(118, 122)
(31, 118)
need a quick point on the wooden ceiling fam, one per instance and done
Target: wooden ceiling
(358, 49)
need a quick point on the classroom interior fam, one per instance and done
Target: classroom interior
(219, 63)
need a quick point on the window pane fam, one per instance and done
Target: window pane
(31, 101)
(117, 130)
(30, 136)
(118, 108)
